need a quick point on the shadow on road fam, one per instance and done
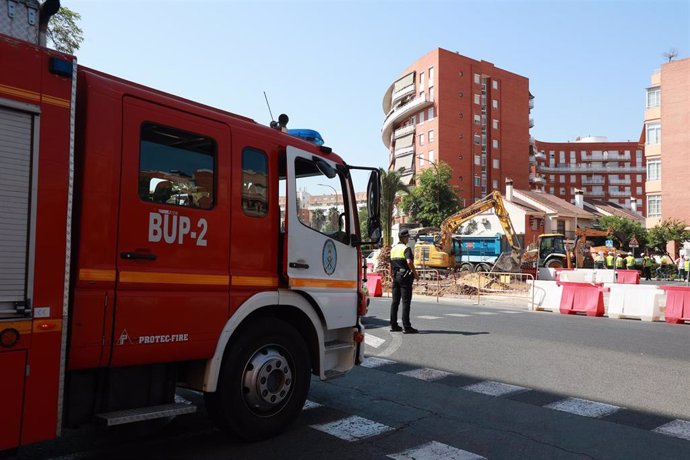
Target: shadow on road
(434, 331)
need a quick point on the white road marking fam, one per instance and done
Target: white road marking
(485, 313)
(583, 407)
(393, 345)
(373, 361)
(426, 374)
(511, 311)
(435, 451)
(677, 428)
(353, 428)
(429, 317)
(373, 341)
(311, 405)
(458, 315)
(491, 388)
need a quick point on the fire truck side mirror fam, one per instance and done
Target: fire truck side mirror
(374, 207)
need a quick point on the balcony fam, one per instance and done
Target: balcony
(536, 179)
(613, 181)
(588, 169)
(619, 193)
(404, 151)
(532, 140)
(593, 181)
(402, 132)
(531, 122)
(593, 192)
(540, 156)
(606, 157)
(531, 104)
(398, 114)
(401, 93)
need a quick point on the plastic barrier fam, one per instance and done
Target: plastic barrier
(559, 271)
(576, 276)
(636, 301)
(374, 285)
(604, 276)
(677, 304)
(628, 277)
(545, 295)
(582, 298)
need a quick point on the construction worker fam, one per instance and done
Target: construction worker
(662, 271)
(599, 260)
(403, 274)
(620, 261)
(609, 260)
(681, 267)
(630, 262)
(687, 268)
(647, 267)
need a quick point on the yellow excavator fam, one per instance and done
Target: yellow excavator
(439, 254)
(551, 250)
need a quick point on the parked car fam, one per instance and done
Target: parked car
(373, 261)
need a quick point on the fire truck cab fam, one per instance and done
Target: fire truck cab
(149, 242)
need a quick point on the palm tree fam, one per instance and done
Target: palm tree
(391, 185)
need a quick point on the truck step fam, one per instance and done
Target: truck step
(140, 414)
(333, 374)
(334, 345)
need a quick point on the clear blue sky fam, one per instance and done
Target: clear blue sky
(327, 64)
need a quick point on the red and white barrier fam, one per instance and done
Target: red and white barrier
(374, 285)
(677, 304)
(585, 298)
(627, 277)
(645, 302)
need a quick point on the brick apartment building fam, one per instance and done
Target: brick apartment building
(469, 114)
(604, 171)
(667, 143)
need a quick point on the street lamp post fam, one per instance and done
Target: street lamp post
(334, 191)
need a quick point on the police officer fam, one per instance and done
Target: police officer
(403, 274)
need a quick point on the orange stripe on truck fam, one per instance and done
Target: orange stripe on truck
(321, 283)
(262, 281)
(174, 278)
(94, 274)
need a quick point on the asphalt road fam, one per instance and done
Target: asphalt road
(489, 381)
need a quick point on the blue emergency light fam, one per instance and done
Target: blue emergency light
(308, 135)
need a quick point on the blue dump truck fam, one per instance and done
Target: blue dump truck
(473, 253)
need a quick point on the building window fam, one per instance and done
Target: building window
(654, 206)
(421, 117)
(562, 191)
(495, 123)
(431, 136)
(494, 184)
(254, 182)
(494, 143)
(561, 156)
(561, 179)
(476, 98)
(496, 163)
(421, 80)
(431, 76)
(653, 97)
(431, 156)
(638, 190)
(653, 133)
(573, 179)
(477, 160)
(431, 93)
(477, 181)
(476, 119)
(494, 103)
(430, 113)
(653, 169)
(639, 178)
(178, 168)
(421, 139)
(413, 119)
(494, 84)
(477, 78)
(477, 139)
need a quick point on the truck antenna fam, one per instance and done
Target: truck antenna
(269, 108)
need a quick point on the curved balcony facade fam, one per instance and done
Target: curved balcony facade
(398, 114)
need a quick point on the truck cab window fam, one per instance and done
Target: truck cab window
(176, 167)
(321, 203)
(254, 182)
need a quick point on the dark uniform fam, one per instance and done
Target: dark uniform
(403, 276)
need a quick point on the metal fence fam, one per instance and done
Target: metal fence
(505, 285)
(428, 282)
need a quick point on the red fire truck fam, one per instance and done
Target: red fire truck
(148, 242)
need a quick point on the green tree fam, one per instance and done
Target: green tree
(433, 199)
(318, 219)
(667, 230)
(391, 185)
(333, 224)
(624, 229)
(64, 32)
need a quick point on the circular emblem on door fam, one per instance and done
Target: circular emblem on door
(329, 257)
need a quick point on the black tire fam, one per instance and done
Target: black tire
(263, 382)
(555, 263)
(482, 268)
(466, 268)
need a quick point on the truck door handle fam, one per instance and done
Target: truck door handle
(298, 265)
(138, 256)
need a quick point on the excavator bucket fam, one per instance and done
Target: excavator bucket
(510, 263)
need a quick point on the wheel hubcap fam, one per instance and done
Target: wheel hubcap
(267, 379)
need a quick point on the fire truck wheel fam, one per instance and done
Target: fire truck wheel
(264, 381)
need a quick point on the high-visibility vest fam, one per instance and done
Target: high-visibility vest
(630, 261)
(398, 251)
(619, 262)
(609, 261)
(599, 258)
(687, 265)
(647, 261)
